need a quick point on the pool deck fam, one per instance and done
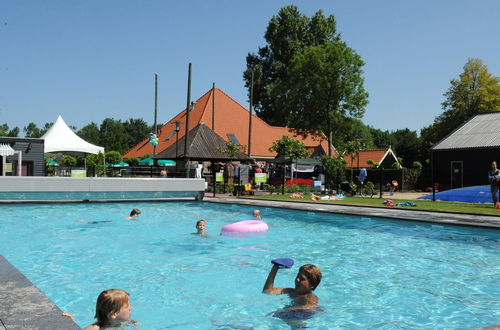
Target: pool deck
(24, 306)
(367, 211)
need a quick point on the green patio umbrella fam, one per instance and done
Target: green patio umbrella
(53, 163)
(120, 164)
(166, 162)
(161, 162)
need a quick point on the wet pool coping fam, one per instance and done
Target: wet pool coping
(24, 306)
(366, 211)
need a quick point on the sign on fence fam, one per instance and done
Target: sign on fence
(260, 177)
(219, 177)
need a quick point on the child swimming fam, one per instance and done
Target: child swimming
(256, 214)
(306, 281)
(113, 310)
(305, 302)
(133, 214)
(200, 227)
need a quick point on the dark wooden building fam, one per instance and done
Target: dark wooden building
(32, 157)
(463, 158)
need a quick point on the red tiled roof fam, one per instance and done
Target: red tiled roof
(230, 118)
(377, 155)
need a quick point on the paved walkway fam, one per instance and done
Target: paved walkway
(405, 214)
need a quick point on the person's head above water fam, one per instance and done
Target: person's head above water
(113, 306)
(308, 278)
(256, 214)
(200, 226)
(135, 213)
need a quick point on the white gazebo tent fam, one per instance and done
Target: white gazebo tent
(60, 138)
(6, 150)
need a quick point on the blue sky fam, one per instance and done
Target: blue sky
(89, 60)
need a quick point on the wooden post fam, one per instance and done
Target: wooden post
(186, 136)
(250, 119)
(213, 107)
(155, 130)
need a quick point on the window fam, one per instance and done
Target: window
(233, 139)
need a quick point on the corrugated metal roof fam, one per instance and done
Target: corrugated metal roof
(204, 144)
(482, 131)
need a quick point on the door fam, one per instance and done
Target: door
(457, 175)
(27, 169)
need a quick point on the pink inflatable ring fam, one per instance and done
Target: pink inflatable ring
(245, 228)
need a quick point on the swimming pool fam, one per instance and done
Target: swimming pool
(376, 272)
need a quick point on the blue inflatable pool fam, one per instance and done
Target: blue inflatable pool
(475, 194)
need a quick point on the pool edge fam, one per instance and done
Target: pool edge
(444, 218)
(24, 306)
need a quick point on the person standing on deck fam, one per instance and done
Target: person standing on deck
(494, 177)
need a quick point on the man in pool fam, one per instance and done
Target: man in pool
(200, 227)
(306, 281)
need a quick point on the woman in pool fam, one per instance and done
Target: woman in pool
(112, 310)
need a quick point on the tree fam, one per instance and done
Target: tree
(137, 130)
(289, 148)
(407, 146)
(289, 33)
(334, 167)
(95, 163)
(90, 133)
(5, 131)
(133, 161)
(68, 161)
(382, 139)
(325, 86)
(231, 149)
(113, 157)
(113, 135)
(32, 131)
(475, 91)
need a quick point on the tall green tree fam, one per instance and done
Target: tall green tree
(475, 91)
(113, 135)
(33, 131)
(407, 146)
(325, 86)
(289, 148)
(90, 133)
(6, 131)
(137, 130)
(288, 34)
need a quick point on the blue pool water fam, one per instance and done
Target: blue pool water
(376, 273)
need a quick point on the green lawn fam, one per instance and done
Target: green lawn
(426, 205)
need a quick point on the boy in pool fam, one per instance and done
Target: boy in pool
(112, 310)
(133, 214)
(256, 214)
(306, 281)
(200, 227)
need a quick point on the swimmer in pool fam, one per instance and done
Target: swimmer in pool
(256, 214)
(113, 310)
(306, 281)
(133, 214)
(200, 227)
